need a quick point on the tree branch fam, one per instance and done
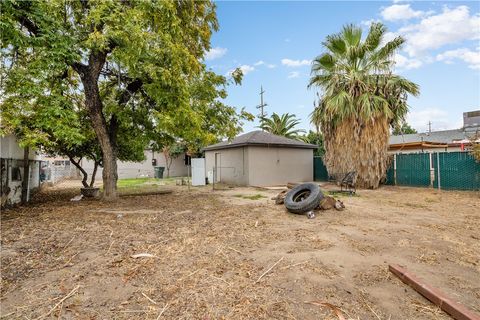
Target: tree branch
(84, 173)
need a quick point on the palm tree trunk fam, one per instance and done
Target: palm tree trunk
(358, 146)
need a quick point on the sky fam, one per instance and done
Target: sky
(275, 42)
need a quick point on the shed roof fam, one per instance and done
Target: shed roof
(260, 138)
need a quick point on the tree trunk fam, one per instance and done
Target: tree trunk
(26, 174)
(94, 173)
(168, 160)
(84, 173)
(89, 75)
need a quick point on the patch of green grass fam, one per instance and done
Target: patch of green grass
(139, 185)
(338, 193)
(250, 197)
(128, 183)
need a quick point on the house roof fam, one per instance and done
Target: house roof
(260, 138)
(445, 136)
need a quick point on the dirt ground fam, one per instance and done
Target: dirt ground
(73, 260)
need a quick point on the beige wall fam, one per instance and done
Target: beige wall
(127, 170)
(261, 166)
(232, 166)
(277, 166)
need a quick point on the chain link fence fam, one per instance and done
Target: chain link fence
(441, 170)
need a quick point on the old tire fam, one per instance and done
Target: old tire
(303, 198)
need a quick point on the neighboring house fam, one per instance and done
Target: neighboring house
(146, 168)
(259, 158)
(12, 175)
(438, 141)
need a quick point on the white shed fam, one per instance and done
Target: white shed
(260, 158)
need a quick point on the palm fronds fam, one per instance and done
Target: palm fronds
(282, 125)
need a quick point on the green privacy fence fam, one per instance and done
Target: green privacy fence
(320, 172)
(456, 171)
(452, 170)
(413, 169)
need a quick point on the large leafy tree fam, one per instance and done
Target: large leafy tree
(131, 60)
(361, 99)
(282, 125)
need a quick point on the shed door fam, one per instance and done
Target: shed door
(198, 171)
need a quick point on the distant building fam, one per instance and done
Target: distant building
(144, 169)
(437, 141)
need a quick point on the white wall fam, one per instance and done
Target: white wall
(129, 170)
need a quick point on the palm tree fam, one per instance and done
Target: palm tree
(283, 125)
(361, 99)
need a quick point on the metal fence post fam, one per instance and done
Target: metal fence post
(395, 169)
(432, 170)
(438, 169)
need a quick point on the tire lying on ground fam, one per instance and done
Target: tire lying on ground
(303, 198)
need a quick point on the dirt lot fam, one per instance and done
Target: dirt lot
(73, 259)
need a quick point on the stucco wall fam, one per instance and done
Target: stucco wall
(277, 166)
(232, 166)
(128, 170)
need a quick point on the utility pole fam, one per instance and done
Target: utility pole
(429, 126)
(262, 104)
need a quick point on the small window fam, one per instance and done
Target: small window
(16, 174)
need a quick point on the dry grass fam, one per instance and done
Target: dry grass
(216, 256)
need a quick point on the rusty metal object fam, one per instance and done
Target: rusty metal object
(456, 310)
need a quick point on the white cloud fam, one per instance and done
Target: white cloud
(259, 63)
(293, 74)
(271, 66)
(405, 63)
(400, 12)
(472, 58)
(246, 69)
(440, 119)
(295, 63)
(215, 53)
(449, 27)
